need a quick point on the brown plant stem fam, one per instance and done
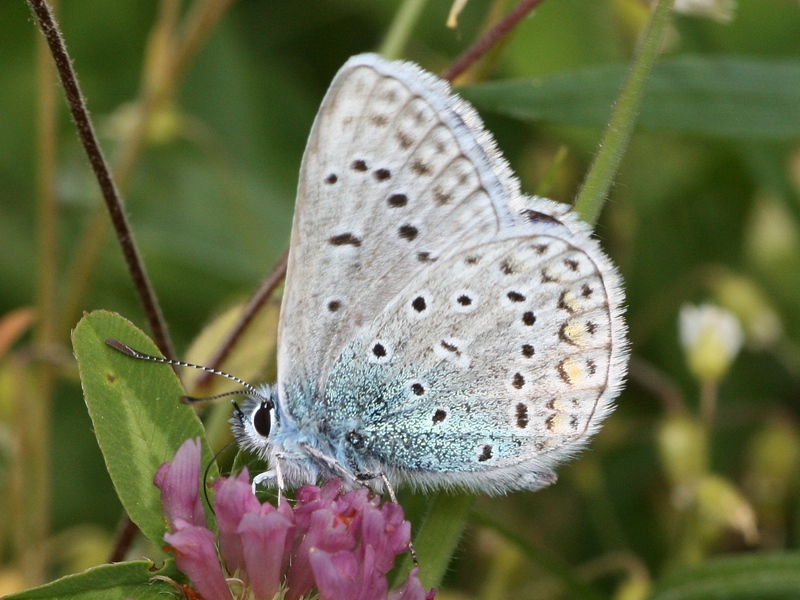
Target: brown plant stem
(114, 202)
(490, 38)
(480, 70)
(655, 381)
(126, 533)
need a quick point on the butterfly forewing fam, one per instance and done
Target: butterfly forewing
(396, 175)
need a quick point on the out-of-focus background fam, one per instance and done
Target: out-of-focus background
(700, 459)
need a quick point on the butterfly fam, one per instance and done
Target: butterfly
(438, 327)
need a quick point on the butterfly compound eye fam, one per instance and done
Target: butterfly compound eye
(261, 420)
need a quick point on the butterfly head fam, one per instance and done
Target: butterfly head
(294, 457)
(256, 421)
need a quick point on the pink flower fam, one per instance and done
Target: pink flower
(196, 556)
(341, 545)
(179, 482)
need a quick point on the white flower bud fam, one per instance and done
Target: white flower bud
(711, 337)
(719, 10)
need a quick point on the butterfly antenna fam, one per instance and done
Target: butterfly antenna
(125, 349)
(247, 392)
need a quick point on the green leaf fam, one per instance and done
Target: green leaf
(137, 418)
(757, 576)
(109, 582)
(727, 97)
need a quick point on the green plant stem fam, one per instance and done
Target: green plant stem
(616, 138)
(708, 403)
(27, 499)
(34, 427)
(438, 536)
(405, 20)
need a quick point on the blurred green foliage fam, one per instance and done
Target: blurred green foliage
(700, 213)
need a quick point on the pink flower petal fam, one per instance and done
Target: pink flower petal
(233, 497)
(331, 490)
(265, 539)
(398, 529)
(179, 482)
(412, 589)
(345, 576)
(196, 556)
(372, 583)
(322, 530)
(373, 535)
(335, 574)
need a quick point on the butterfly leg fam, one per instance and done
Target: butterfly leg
(332, 464)
(266, 477)
(369, 476)
(275, 475)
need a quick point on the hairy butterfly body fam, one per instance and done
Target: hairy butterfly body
(438, 327)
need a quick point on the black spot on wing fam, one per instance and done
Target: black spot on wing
(382, 174)
(534, 216)
(522, 415)
(345, 239)
(408, 232)
(397, 200)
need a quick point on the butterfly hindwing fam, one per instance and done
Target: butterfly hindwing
(493, 364)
